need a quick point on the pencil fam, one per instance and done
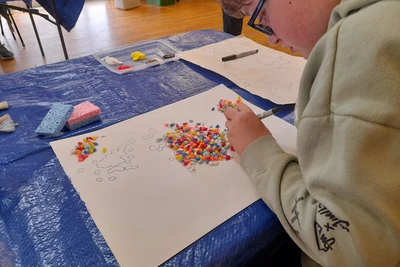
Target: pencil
(268, 113)
(244, 54)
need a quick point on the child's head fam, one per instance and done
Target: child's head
(297, 24)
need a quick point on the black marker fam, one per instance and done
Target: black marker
(244, 54)
(268, 113)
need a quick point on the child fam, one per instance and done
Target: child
(339, 199)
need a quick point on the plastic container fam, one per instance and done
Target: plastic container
(126, 4)
(162, 2)
(154, 50)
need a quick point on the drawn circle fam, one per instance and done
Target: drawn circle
(128, 162)
(171, 159)
(148, 136)
(112, 178)
(153, 148)
(99, 179)
(81, 169)
(130, 150)
(97, 172)
(135, 167)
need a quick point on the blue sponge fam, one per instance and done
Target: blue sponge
(55, 119)
(83, 123)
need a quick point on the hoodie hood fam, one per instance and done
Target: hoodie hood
(348, 7)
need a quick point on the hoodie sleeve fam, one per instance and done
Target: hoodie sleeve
(340, 199)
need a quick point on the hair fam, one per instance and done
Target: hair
(232, 7)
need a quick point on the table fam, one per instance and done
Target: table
(43, 221)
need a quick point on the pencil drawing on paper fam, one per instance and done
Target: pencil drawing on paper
(270, 74)
(262, 74)
(115, 161)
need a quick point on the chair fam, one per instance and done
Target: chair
(6, 13)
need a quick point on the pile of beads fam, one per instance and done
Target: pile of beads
(197, 144)
(137, 55)
(223, 104)
(85, 148)
(124, 67)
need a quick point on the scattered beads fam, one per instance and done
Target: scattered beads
(104, 150)
(86, 147)
(223, 104)
(197, 144)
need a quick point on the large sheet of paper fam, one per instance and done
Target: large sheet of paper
(147, 205)
(269, 73)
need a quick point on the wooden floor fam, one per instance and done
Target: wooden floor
(101, 26)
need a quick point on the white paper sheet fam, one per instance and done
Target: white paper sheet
(147, 205)
(270, 74)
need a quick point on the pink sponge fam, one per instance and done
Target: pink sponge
(82, 112)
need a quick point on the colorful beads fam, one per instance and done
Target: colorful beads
(86, 147)
(196, 144)
(223, 104)
(138, 56)
(124, 67)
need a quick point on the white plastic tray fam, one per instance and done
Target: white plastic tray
(155, 49)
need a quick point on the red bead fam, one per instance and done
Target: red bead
(227, 157)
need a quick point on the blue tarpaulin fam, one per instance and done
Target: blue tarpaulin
(43, 221)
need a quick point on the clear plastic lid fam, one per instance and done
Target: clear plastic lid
(157, 52)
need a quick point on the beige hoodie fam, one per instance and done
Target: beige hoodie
(339, 199)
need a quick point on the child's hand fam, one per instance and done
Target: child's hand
(243, 126)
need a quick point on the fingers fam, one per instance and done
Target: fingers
(242, 107)
(230, 113)
(228, 124)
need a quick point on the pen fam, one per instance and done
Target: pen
(244, 54)
(268, 113)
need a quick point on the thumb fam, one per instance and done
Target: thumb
(242, 107)
(229, 113)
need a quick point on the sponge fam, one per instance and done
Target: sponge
(55, 119)
(83, 123)
(82, 112)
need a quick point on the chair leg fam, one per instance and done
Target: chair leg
(1, 25)
(53, 4)
(9, 22)
(16, 28)
(37, 34)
